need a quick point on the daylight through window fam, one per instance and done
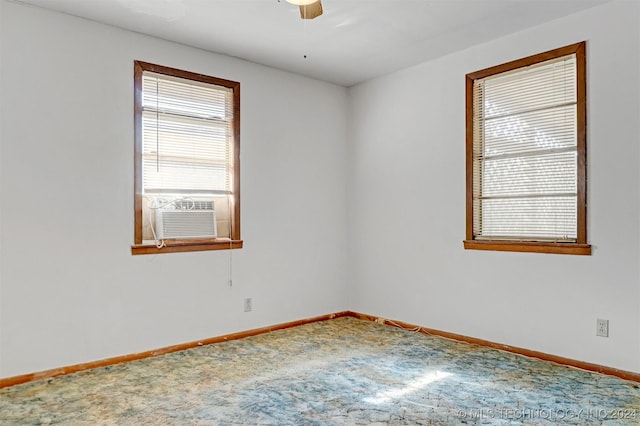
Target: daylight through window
(526, 154)
(187, 161)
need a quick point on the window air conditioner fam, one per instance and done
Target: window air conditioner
(198, 222)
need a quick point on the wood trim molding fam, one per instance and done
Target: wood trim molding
(581, 88)
(581, 247)
(469, 156)
(48, 374)
(582, 365)
(531, 247)
(187, 246)
(183, 245)
(529, 60)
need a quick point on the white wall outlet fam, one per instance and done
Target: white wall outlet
(602, 327)
(247, 304)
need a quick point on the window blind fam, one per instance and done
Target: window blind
(187, 136)
(525, 153)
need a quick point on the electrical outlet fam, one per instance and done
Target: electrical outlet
(247, 304)
(602, 327)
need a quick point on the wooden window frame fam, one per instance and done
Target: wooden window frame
(580, 247)
(184, 245)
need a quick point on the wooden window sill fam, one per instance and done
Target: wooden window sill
(531, 247)
(187, 245)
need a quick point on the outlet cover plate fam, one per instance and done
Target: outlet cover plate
(602, 327)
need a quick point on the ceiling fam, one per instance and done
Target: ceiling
(353, 41)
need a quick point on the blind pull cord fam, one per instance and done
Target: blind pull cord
(157, 127)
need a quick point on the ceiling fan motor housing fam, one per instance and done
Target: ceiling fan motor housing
(312, 10)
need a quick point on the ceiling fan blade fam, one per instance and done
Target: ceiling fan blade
(311, 11)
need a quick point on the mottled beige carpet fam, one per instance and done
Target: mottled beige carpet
(341, 371)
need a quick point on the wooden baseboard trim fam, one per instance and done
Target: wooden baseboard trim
(48, 374)
(42, 375)
(626, 375)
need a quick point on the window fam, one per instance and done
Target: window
(187, 161)
(526, 154)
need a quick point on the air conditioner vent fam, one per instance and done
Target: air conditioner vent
(194, 223)
(193, 204)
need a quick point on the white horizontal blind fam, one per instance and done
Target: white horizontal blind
(187, 136)
(525, 153)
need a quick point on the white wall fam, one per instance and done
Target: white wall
(407, 203)
(70, 290)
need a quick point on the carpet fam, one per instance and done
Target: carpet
(343, 371)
